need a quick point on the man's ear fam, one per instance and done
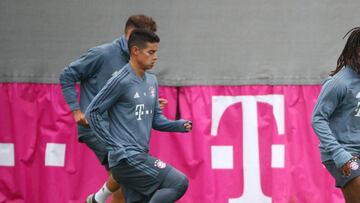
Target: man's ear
(135, 50)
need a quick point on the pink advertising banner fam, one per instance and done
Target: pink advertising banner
(248, 144)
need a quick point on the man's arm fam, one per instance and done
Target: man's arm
(77, 71)
(330, 96)
(161, 123)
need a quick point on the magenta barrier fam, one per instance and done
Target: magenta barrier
(249, 144)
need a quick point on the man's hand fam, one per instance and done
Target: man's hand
(352, 164)
(80, 118)
(162, 102)
(188, 126)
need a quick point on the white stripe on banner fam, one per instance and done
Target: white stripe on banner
(55, 154)
(222, 157)
(7, 154)
(277, 156)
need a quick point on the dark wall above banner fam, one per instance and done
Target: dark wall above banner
(203, 42)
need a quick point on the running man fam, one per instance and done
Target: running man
(92, 70)
(336, 120)
(131, 100)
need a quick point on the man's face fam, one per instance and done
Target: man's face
(146, 57)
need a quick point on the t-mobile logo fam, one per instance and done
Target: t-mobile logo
(139, 111)
(357, 109)
(222, 156)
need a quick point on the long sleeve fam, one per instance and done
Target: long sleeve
(79, 70)
(331, 96)
(102, 102)
(161, 123)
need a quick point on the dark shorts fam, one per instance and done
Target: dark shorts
(140, 174)
(96, 146)
(340, 180)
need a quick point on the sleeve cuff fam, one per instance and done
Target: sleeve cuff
(181, 123)
(341, 158)
(74, 106)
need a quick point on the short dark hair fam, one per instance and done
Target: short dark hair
(349, 56)
(140, 21)
(139, 38)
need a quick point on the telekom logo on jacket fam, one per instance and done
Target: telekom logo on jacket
(222, 156)
(139, 111)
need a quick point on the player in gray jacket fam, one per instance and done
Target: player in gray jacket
(336, 120)
(131, 99)
(92, 70)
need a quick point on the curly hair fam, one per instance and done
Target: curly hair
(350, 54)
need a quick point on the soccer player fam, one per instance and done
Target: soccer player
(92, 70)
(130, 98)
(336, 120)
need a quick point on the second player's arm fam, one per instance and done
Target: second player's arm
(79, 70)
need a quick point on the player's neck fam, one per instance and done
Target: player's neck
(136, 67)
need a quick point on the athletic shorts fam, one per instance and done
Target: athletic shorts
(341, 180)
(96, 146)
(141, 173)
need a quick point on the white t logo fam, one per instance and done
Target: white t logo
(139, 111)
(252, 183)
(357, 110)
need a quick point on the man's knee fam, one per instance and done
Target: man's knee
(184, 184)
(112, 185)
(118, 196)
(176, 181)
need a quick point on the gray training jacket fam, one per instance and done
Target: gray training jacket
(92, 70)
(133, 109)
(336, 117)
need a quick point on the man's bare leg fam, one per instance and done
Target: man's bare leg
(351, 191)
(117, 194)
(111, 187)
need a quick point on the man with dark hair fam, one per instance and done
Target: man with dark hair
(92, 70)
(336, 120)
(130, 99)
(140, 21)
